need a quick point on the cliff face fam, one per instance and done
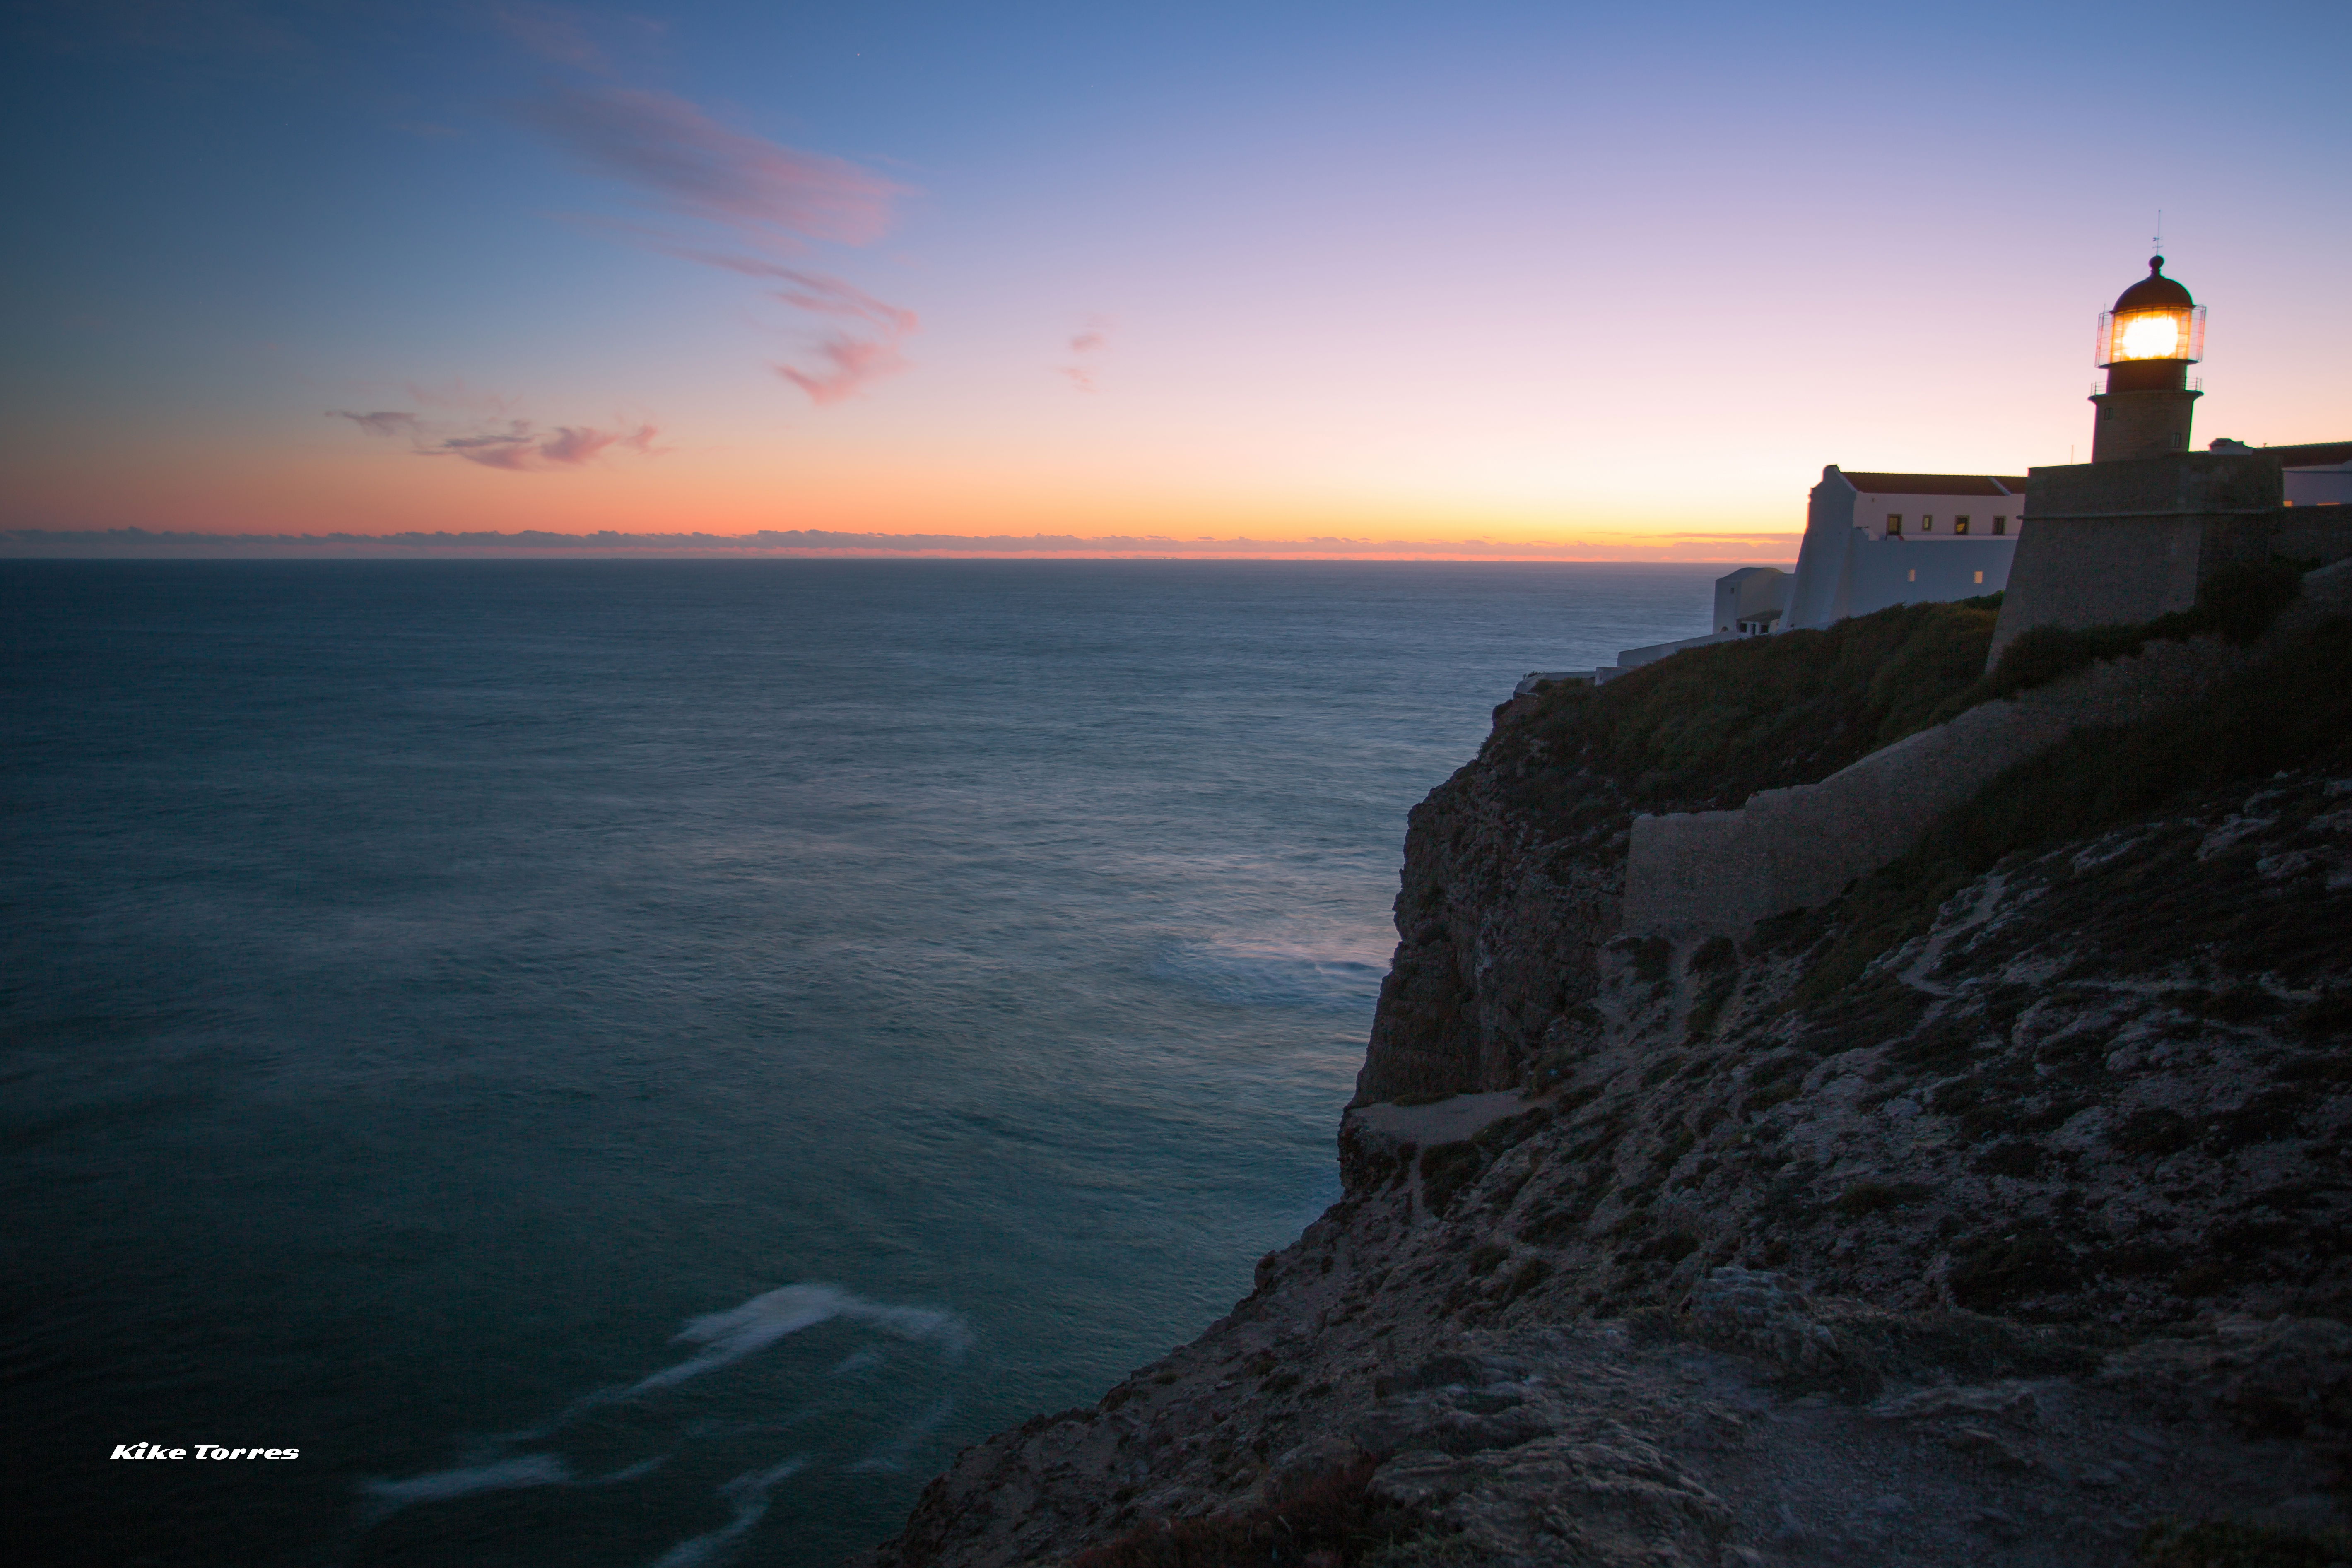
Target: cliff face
(1994, 1211)
(1499, 929)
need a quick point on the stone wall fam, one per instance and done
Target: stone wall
(2118, 543)
(1721, 871)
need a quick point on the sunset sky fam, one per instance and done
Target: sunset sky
(1548, 279)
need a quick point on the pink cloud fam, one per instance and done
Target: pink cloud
(815, 292)
(832, 297)
(1091, 341)
(770, 196)
(855, 363)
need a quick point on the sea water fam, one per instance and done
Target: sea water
(638, 1062)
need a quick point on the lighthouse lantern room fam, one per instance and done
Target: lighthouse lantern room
(2145, 344)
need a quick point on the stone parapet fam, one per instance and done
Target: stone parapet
(2186, 483)
(1718, 872)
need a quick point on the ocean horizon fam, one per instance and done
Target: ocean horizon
(638, 1062)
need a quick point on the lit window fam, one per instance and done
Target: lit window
(1959, 525)
(1927, 523)
(1979, 576)
(2000, 525)
(1894, 522)
(1915, 577)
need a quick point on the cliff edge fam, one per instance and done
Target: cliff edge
(1992, 1210)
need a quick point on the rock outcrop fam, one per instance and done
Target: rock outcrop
(2023, 1238)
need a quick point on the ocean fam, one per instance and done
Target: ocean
(638, 1062)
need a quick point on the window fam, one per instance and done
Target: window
(1914, 575)
(1979, 576)
(1959, 525)
(2000, 525)
(1894, 522)
(1927, 523)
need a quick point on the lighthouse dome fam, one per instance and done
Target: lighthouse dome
(2153, 293)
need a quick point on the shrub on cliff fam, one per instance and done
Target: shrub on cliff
(2239, 603)
(1710, 726)
(1706, 728)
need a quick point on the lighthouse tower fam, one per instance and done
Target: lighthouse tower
(2146, 345)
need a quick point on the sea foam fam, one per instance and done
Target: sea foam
(388, 1496)
(728, 1337)
(747, 1494)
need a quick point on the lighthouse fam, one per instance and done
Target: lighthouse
(2145, 344)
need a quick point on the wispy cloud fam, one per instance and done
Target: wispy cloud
(1086, 348)
(813, 290)
(386, 422)
(850, 362)
(770, 196)
(519, 447)
(767, 198)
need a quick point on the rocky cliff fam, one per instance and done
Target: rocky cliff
(1994, 1211)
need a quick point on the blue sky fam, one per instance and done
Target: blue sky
(1615, 277)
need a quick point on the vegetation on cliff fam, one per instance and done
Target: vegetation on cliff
(1710, 726)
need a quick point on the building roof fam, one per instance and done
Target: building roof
(2303, 455)
(1931, 484)
(2312, 454)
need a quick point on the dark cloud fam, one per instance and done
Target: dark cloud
(519, 447)
(384, 422)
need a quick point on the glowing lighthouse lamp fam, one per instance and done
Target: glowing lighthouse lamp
(2146, 345)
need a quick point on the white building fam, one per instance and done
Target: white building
(1870, 541)
(1873, 540)
(1747, 603)
(1750, 601)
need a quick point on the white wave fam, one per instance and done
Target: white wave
(747, 1494)
(728, 1337)
(388, 1496)
(630, 1472)
(892, 1455)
